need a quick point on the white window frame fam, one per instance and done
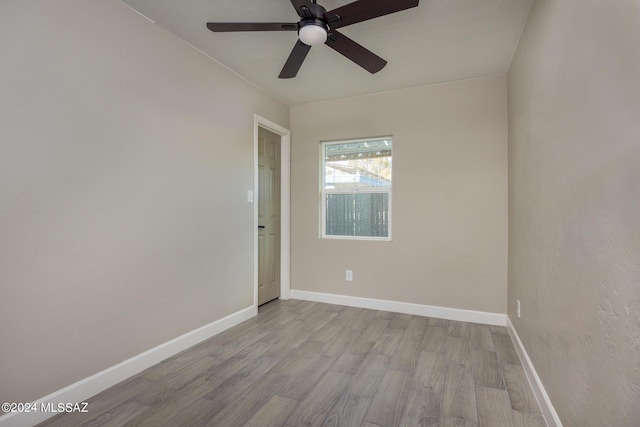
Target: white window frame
(324, 192)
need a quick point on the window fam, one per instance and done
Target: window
(356, 189)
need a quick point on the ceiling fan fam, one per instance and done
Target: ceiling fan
(318, 26)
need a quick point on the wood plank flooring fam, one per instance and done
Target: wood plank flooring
(300, 363)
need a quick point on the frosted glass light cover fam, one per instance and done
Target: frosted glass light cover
(312, 35)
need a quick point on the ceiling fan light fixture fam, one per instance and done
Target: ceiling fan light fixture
(318, 26)
(312, 34)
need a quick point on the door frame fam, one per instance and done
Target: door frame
(285, 204)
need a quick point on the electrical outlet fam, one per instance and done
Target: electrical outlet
(349, 275)
(518, 308)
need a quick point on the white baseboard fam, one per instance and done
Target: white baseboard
(90, 386)
(405, 307)
(548, 411)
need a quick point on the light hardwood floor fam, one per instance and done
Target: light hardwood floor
(300, 363)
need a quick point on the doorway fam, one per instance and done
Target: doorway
(268, 216)
(271, 211)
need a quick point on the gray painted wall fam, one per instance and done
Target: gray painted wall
(574, 206)
(125, 160)
(449, 204)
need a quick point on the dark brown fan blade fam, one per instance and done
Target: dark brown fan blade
(251, 26)
(303, 7)
(363, 10)
(294, 62)
(355, 52)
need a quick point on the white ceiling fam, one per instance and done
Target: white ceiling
(438, 41)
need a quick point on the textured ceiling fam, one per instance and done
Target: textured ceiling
(438, 41)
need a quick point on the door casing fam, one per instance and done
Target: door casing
(285, 203)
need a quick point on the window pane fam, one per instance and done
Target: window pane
(359, 214)
(358, 164)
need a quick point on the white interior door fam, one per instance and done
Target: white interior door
(268, 216)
